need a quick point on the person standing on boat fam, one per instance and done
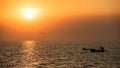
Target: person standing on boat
(102, 48)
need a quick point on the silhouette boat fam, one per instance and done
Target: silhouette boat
(95, 50)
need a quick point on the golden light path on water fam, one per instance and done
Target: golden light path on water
(29, 55)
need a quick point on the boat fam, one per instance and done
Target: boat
(95, 50)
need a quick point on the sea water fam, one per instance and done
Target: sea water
(36, 54)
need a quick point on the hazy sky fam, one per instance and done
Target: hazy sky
(59, 19)
(63, 7)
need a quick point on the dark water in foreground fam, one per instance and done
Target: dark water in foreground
(33, 54)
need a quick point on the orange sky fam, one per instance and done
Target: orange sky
(62, 7)
(53, 11)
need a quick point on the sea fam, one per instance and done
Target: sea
(37, 54)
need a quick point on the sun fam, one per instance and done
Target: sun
(29, 12)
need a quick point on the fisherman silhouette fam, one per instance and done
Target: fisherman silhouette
(102, 49)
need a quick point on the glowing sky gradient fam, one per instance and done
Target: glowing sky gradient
(54, 14)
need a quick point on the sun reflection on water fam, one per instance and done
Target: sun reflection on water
(28, 54)
(29, 43)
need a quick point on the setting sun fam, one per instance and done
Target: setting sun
(29, 12)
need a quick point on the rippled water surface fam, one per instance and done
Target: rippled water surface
(34, 54)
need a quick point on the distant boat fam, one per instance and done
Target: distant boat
(95, 50)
